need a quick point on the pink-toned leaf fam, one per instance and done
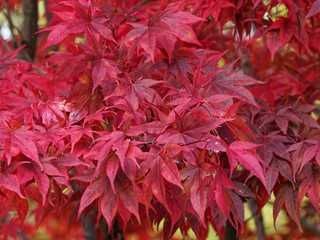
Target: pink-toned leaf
(315, 9)
(92, 192)
(108, 205)
(129, 199)
(309, 153)
(250, 161)
(10, 182)
(286, 196)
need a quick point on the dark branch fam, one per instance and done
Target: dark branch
(11, 25)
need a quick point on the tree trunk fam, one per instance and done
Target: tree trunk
(261, 235)
(29, 28)
(230, 232)
(116, 233)
(89, 229)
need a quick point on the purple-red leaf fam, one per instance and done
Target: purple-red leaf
(237, 153)
(92, 192)
(315, 9)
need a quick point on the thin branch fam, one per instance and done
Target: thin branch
(249, 218)
(112, 28)
(180, 144)
(123, 20)
(142, 3)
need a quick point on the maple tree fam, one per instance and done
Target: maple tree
(147, 112)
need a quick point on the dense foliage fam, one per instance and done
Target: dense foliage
(169, 111)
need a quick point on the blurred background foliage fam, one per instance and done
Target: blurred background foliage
(55, 228)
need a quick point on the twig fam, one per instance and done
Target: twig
(112, 28)
(142, 3)
(180, 144)
(123, 20)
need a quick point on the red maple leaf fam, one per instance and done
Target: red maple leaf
(309, 177)
(167, 24)
(20, 140)
(237, 153)
(77, 17)
(288, 197)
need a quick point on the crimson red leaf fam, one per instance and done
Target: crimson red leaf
(95, 190)
(112, 167)
(20, 140)
(129, 199)
(310, 184)
(169, 22)
(273, 43)
(315, 9)
(237, 153)
(10, 182)
(310, 153)
(287, 196)
(108, 205)
(198, 193)
(22, 207)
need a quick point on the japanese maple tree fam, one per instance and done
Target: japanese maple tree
(147, 112)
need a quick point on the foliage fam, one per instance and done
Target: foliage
(162, 111)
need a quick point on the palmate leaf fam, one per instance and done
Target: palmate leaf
(161, 167)
(310, 177)
(91, 193)
(20, 140)
(77, 17)
(309, 153)
(231, 83)
(219, 194)
(188, 129)
(108, 204)
(29, 171)
(237, 153)
(315, 9)
(52, 111)
(180, 64)
(152, 115)
(289, 29)
(84, 101)
(168, 22)
(109, 201)
(104, 68)
(10, 182)
(288, 197)
(114, 140)
(22, 207)
(137, 92)
(194, 177)
(237, 126)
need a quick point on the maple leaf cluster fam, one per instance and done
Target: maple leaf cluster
(174, 111)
